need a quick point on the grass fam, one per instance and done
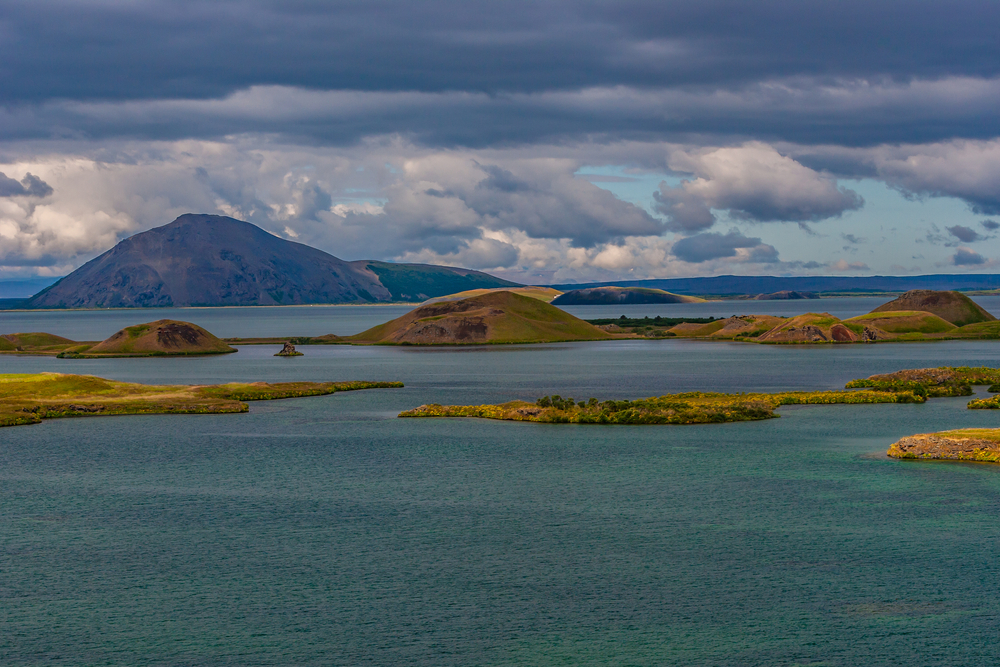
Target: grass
(686, 408)
(30, 398)
(904, 321)
(967, 444)
(507, 318)
(908, 386)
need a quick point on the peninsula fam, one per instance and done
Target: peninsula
(30, 398)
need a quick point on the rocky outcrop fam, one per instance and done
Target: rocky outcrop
(288, 351)
(954, 446)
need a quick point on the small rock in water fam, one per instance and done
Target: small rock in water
(288, 351)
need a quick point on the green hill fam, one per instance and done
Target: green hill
(952, 307)
(494, 317)
(163, 337)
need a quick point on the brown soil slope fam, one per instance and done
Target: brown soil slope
(496, 317)
(810, 328)
(952, 307)
(162, 337)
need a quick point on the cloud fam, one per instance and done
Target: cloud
(991, 225)
(964, 234)
(30, 186)
(710, 245)
(844, 265)
(966, 257)
(853, 239)
(751, 182)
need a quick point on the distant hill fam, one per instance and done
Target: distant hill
(619, 295)
(785, 295)
(211, 260)
(22, 289)
(494, 317)
(546, 294)
(737, 285)
(949, 306)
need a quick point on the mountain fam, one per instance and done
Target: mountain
(212, 260)
(753, 285)
(494, 317)
(616, 295)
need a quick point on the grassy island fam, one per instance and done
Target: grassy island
(907, 386)
(687, 408)
(30, 398)
(969, 444)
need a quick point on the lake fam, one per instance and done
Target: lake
(325, 531)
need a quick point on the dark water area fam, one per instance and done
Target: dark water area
(325, 531)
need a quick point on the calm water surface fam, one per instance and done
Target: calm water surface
(324, 531)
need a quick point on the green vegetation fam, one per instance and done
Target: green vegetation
(30, 398)
(953, 307)
(491, 318)
(936, 382)
(686, 408)
(907, 386)
(968, 444)
(902, 322)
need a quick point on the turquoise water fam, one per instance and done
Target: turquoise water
(324, 531)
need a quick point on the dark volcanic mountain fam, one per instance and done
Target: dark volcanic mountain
(212, 260)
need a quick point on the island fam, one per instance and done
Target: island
(918, 315)
(496, 317)
(969, 444)
(30, 398)
(908, 386)
(153, 339)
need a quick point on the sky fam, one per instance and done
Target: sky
(561, 141)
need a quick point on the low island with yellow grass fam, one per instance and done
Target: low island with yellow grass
(30, 398)
(908, 386)
(967, 444)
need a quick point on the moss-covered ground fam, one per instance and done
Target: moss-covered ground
(30, 398)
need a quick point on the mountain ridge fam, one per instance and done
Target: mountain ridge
(211, 260)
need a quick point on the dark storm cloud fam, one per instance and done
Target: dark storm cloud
(964, 234)
(186, 48)
(991, 225)
(966, 257)
(480, 73)
(29, 186)
(703, 247)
